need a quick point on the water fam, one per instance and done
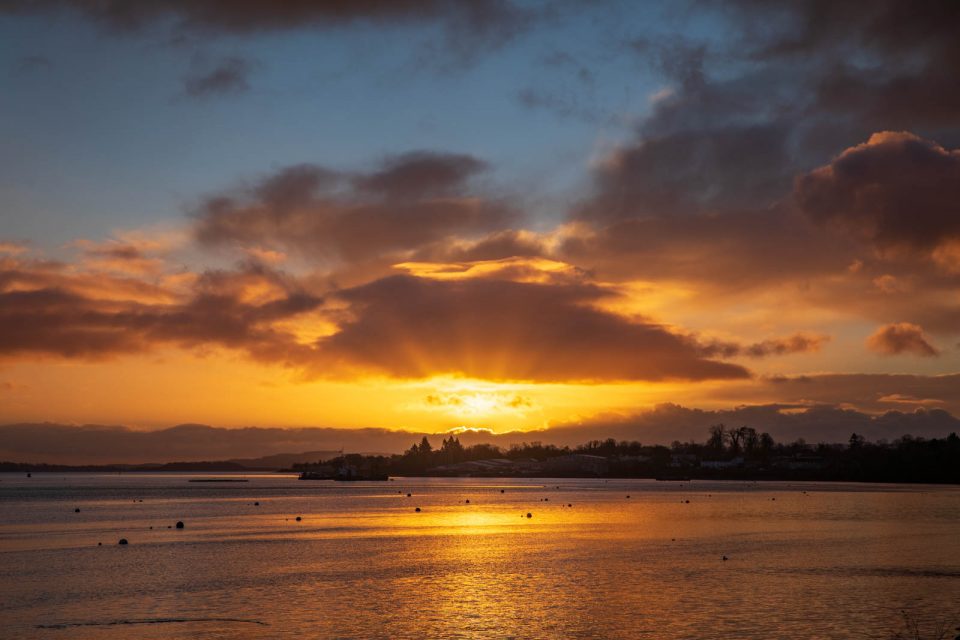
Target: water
(812, 560)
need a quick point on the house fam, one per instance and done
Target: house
(733, 463)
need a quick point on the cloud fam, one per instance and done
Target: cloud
(798, 343)
(12, 248)
(899, 338)
(420, 174)
(467, 26)
(47, 310)
(120, 257)
(229, 76)
(692, 171)
(886, 63)
(564, 105)
(411, 327)
(868, 392)
(897, 189)
(898, 398)
(407, 202)
(512, 319)
(731, 253)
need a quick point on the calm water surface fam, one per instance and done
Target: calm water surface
(811, 560)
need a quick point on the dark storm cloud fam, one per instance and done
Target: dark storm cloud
(501, 330)
(228, 76)
(410, 201)
(901, 191)
(902, 337)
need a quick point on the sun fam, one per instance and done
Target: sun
(472, 400)
(479, 404)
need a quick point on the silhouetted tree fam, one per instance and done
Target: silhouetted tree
(856, 442)
(766, 442)
(717, 437)
(425, 446)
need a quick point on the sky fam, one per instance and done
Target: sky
(499, 215)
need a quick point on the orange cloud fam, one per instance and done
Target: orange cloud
(901, 337)
(504, 330)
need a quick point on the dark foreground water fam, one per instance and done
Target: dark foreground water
(628, 559)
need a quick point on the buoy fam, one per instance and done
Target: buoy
(468, 501)
(151, 528)
(408, 495)
(725, 558)
(299, 518)
(179, 524)
(569, 505)
(29, 476)
(628, 497)
(99, 544)
(686, 502)
(122, 541)
(501, 490)
(256, 504)
(77, 510)
(417, 509)
(529, 515)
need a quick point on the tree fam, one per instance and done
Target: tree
(425, 446)
(856, 441)
(735, 438)
(717, 437)
(766, 442)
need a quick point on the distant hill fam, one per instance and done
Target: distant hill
(268, 447)
(285, 460)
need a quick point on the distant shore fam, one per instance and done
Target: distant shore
(740, 453)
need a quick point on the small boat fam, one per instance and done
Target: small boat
(315, 475)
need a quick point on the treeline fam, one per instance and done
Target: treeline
(728, 452)
(213, 466)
